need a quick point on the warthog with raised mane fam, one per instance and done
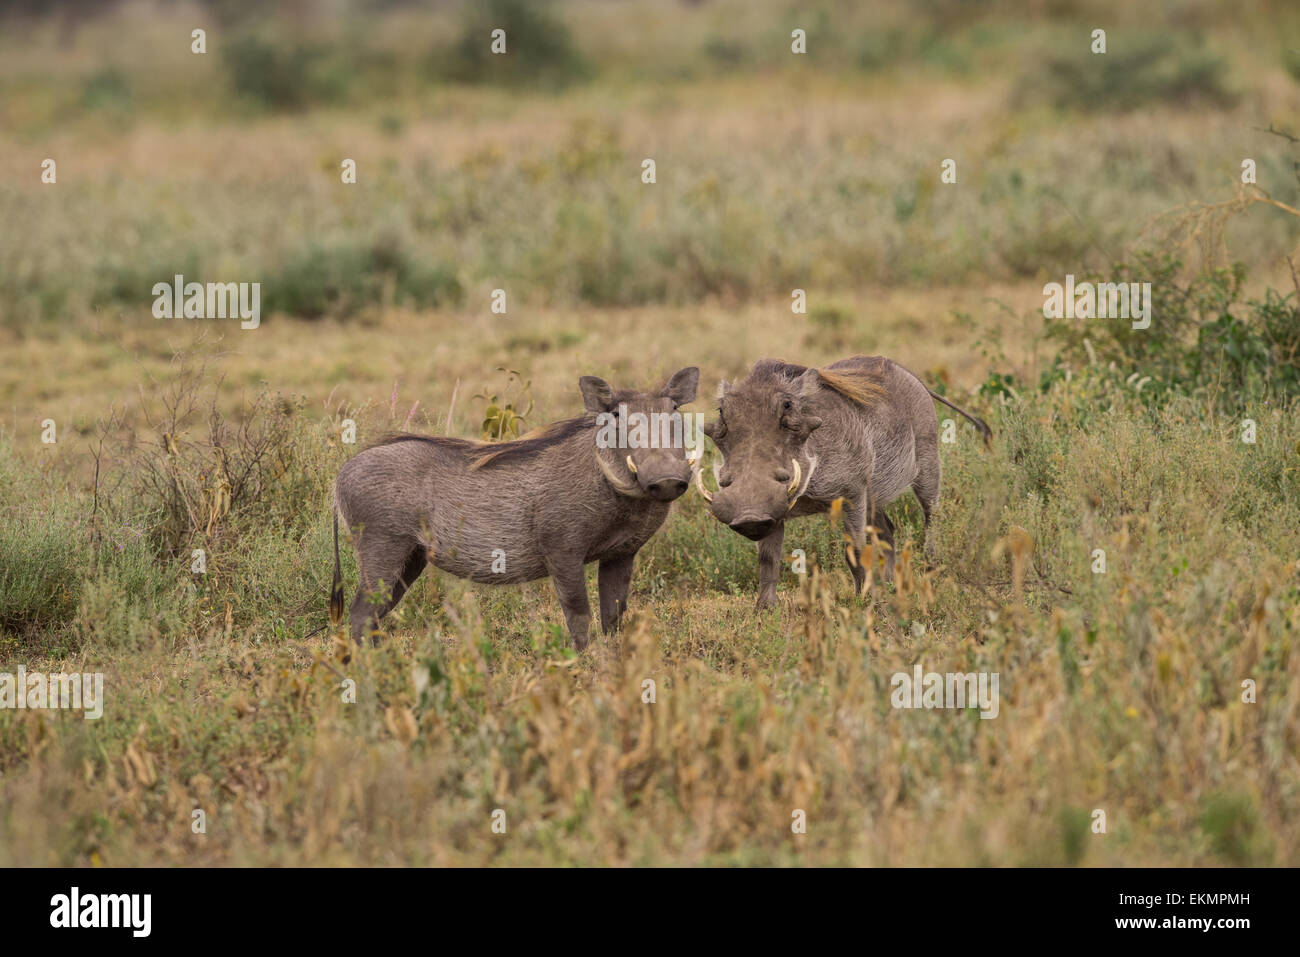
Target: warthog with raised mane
(794, 439)
(510, 512)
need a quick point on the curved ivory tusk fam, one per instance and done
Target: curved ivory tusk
(631, 466)
(693, 456)
(699, 481)
(793, 487)
(621, 485)
(799, 492)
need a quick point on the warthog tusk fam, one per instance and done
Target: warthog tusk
(621, 485)
(693, 456)
(699, 481)
(794, 482)
(631, 466)
(796, 493)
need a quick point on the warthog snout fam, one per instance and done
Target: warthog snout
(753, 528)
(661, 474)
(763, 439)
(751, 507)
(660, 448)
(666, 489)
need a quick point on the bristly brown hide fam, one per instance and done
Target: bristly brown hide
(862, 387)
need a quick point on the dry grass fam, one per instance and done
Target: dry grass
(1120, 691)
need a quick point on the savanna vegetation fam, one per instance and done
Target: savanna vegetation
(1120, 690)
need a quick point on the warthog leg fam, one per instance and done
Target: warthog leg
(390, 575)
(571, 587)
(855, 523)
(769, 565)
(926, 489)
(885, 532)
(614, 578)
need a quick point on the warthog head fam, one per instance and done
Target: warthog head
(642, 440)
(762, 432)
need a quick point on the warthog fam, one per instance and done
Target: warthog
(510, 512)
(795, 439)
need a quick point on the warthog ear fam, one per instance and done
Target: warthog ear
(807, 384)
(681, 387)
(596, 393)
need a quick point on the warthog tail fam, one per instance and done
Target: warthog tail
(985, 432)
(336, 592)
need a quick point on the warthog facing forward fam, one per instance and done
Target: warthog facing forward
(510, 512)
(794, 439)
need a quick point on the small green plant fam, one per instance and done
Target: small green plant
(502, 417)
(998, 385)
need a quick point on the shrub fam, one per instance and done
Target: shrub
(342, 278)
(41, 561)
(539, 46)
(1155, 70)
(107, 89)
(1204, 339)
(200, 466)
(1230, 821)
(59, 551)
(284, 77)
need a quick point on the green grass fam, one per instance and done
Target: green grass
(1109, 682)
(1120, 691)
(842, 192)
